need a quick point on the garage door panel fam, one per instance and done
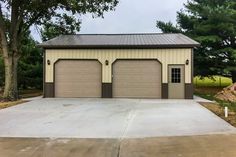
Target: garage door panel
(140, 85)
(137, 79)
(78, 78)
(141, 78)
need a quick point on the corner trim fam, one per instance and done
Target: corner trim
(44, 73)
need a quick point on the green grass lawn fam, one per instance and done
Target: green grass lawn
(210, 92)
(218, 81)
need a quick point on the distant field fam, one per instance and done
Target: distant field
(218, 81)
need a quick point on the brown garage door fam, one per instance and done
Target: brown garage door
(137, 79)
(78, 78)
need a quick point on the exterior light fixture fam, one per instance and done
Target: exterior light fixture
(107, 62)
(48, 62)
(187, 62)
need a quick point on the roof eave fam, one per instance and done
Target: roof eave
(117, 46)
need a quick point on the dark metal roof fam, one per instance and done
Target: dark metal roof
(156, 40)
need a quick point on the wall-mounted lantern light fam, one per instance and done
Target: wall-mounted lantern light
(187, 62)
(48, 62)
(107, 62)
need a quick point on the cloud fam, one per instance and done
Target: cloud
(133, 16)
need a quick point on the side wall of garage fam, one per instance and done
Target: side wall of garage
(176, 56)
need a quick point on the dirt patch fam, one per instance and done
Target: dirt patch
(10, 103)
(227, 94)
(219, 111)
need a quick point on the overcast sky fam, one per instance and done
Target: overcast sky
(132, 16)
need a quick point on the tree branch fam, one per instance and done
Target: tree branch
(32, 20)
(16, 23)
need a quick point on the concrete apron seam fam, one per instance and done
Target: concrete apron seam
(129, 120)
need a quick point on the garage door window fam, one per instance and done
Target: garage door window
(175, 75)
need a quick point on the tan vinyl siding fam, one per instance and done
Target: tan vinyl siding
(165, 56)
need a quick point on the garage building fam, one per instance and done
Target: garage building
(119, 66)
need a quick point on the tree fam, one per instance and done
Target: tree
(17, 16)
(213, 24)
(1, 73)
(30, 69)
(64, 25)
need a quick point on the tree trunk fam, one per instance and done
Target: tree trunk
(233, 75)
(15, 77)
(9, 46)
(11, 90)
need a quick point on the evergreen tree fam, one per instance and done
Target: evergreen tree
(213, 24)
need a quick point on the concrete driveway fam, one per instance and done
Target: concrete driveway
(109, 118)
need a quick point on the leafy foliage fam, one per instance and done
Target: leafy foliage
(63, 24)
(30, 69)
(56, 16)
(213, 24)
(37, 11)
(59, 16)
